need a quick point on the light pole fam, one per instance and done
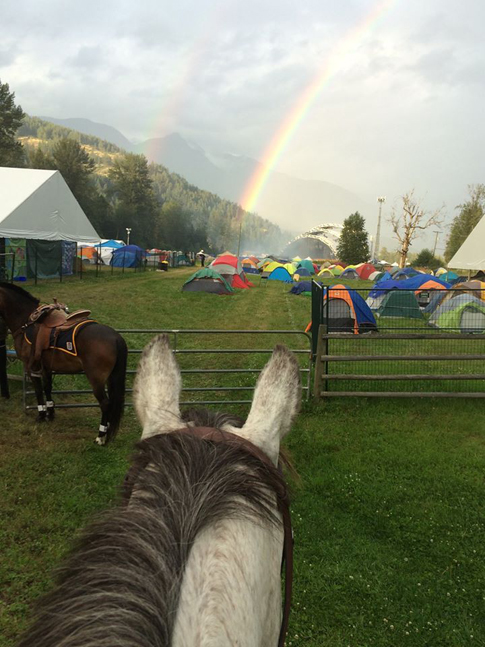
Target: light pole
(240, 211)
(128, 232)
(437, 233)
(381, 199)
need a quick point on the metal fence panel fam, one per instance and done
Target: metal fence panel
(206, 381)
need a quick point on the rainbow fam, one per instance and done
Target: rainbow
(302, 106)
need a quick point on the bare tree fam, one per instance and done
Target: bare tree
(409, 220)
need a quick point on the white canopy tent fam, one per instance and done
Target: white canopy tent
(471, 255)
(37, 204)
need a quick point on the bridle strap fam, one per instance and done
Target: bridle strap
(219, 436)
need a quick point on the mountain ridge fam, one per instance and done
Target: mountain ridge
(293, 203)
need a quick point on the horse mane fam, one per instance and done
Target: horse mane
(20, 291)
(121, 585)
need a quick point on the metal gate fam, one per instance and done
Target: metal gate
(195, 348)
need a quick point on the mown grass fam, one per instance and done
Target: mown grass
(389, 516)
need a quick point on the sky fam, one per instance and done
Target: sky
(402, 108)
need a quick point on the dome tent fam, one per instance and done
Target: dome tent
(128, 256)
(347, 311)
(207, 280)
(463, 312)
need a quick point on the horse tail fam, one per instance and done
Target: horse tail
(116, 388)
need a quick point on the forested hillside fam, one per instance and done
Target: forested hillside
(118, 189)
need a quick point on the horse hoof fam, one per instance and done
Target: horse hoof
(100, 440)
(41, 418)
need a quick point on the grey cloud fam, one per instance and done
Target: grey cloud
(86, 57)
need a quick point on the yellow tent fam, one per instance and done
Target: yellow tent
(271, 266)
(290, 267)
(337, 270)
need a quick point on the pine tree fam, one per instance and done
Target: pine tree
(471, 212)
(11, 116)
(353, 246)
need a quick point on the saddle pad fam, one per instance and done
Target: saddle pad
(64, 340)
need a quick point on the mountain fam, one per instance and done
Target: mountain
(88, 127)
(293, 203)
(187, 217)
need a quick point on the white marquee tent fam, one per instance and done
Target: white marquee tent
(471, 255)
(39, 205)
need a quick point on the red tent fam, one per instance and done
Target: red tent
(365, 270)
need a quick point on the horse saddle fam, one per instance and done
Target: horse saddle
(44, 326)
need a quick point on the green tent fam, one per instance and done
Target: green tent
(207, 280)
(400, 303)
(463, 312)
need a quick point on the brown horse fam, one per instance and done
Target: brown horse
(101, 354)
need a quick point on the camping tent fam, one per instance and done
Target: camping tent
(308, 265)
(349, 273)
(230, 267)
(108, 247)
(400, 303)
(405, 273)
(280, 274)
(364, 270)
(325, 273)
(463, 312)
(128, 256)
(347, 311)
(207, 280)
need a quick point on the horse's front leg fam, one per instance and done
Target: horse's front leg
(39, 394)
(47, 381)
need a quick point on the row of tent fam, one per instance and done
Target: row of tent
(460, 308)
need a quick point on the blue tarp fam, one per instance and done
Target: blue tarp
(303, 286)
(414, 283)
(128, 256)
(112, 243)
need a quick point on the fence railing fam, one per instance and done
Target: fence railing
(211, 371)
(399, 343)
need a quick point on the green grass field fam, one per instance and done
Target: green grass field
(389, 511)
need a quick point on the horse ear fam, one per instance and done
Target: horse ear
(156, 390)
(276, 401)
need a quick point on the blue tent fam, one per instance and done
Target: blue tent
(347, 311)
(349, 273)
(405, 273)
(302, 271)
(128, 256)
(449, 277)
(280, 274)
(414, 283)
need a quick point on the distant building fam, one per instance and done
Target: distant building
(319, 242)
